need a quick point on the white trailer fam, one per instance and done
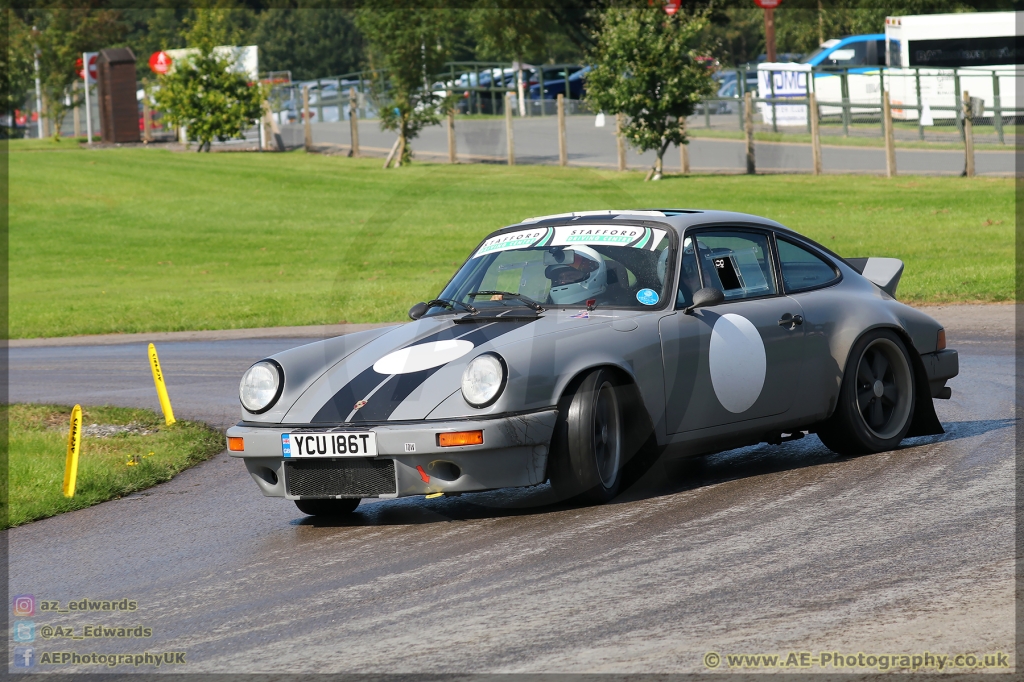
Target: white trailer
(931, 60)
(934, 58)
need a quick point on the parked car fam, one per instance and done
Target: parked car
(554, 84)
(569, 347)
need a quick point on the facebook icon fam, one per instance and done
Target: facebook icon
(24, 657)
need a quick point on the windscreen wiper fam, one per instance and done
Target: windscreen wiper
(450, 303)
(525, 300)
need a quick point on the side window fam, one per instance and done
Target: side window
(802, 269)
(738, 263)
(689, 278)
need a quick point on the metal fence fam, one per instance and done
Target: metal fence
(927, 106)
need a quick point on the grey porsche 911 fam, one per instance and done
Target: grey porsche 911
(567, 344)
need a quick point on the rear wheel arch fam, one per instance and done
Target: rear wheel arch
(850, 429)
(925, 422)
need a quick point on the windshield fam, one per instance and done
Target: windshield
(825, 47)
(612, 266)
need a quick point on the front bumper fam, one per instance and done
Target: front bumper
(514, 453)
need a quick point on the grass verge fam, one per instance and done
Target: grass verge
(136, 240)
(109, 466)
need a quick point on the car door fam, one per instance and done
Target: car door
(738, 360)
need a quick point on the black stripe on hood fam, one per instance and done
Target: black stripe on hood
(398, 387)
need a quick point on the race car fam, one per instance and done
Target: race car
(568, 345)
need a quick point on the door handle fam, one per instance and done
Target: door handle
(791, 321)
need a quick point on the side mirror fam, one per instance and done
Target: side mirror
(705, 297)
(418, 310)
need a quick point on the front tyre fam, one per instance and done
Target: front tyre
(876, 399)
(328, 508)
(587, 453)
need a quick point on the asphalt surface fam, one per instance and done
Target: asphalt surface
(759, 550)
(536, 142)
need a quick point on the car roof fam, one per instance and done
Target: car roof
(678, 218)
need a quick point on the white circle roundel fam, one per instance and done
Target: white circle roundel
(737, 362)
(423, 356)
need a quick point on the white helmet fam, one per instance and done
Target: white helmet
(586, 277)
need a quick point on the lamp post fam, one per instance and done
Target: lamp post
(39, 91)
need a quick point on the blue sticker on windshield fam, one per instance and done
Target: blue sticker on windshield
(647, 296)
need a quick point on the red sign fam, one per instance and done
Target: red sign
(92, 67)
(160, 62)
(767, 4)
(672, 6)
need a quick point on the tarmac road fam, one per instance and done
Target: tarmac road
(536, 142)
(759, 550)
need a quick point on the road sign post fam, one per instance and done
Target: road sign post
(769, 25)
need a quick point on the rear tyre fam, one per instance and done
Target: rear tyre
(876, 399)
(328, 508)
(587, 452)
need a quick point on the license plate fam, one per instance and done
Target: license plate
(361, 444)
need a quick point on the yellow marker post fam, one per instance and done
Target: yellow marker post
(74, 445)
(161, 388)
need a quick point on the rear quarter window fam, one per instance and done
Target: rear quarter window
(802, 269)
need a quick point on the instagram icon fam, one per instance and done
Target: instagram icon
(24, 605)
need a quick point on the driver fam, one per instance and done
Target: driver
(586, 277)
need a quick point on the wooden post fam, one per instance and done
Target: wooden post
(78, 115)
(452, 157)
(620, 141)
(391, 154)
(684, 151)
(508, 130)
(401, 152)
(272, 131)
(353, 121)
(147, 121)
(563, 151)
(305, 118)
(748, 124)
(890, 141)
(997, 108)
(968, 135)
(812, 105)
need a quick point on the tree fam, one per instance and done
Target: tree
(509, 30)
(61, 35)
(407, 45)
(646, 66)
(203, 93)
(311, 43)
(15, 64)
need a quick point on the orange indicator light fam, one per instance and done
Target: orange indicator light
(447, 440)
(236, 444)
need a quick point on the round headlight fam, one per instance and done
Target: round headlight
(261, 386)
(483, 380)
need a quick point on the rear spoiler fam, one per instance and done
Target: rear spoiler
(885, 272)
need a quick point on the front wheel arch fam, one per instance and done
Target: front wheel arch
(639, 447)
